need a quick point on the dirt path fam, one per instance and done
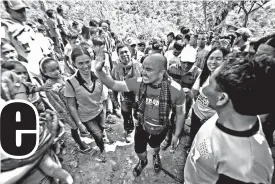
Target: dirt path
(120, 163)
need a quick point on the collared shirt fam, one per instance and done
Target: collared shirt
(185, 79)
(88, 97)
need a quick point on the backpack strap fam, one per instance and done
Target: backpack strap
(68, 80)
(38, 81)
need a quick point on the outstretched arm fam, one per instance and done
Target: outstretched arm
(107, 79)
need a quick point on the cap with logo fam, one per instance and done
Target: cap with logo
(16, 4)
(131, 41)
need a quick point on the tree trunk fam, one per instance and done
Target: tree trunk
(205, 15)
(44, 5)
(245, 20)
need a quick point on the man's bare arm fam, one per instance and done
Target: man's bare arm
(107, 79)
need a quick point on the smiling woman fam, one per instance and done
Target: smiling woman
(201, 110)
(84, 95)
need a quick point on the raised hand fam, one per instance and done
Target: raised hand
(99, 57)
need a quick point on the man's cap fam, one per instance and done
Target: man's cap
(16, 4)
(130, 41)
(244, 31)
(188, 58)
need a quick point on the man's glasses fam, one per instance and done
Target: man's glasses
(134, 45)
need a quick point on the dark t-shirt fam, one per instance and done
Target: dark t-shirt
(152, 100)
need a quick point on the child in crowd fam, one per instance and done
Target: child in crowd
(74, 41)
(51, 72)
(32, 84)
(13, 78)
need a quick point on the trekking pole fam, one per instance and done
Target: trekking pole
(171, 175)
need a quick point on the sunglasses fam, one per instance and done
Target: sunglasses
(134, 45)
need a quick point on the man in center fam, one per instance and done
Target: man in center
(157, 94)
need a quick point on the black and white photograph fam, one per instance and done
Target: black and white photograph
(137, 92)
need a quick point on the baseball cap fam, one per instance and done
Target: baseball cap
(244, 31)
(188, 58)
(16, 4)
(131, 41)
(188, 55)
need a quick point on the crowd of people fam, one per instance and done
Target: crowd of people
(80, 76)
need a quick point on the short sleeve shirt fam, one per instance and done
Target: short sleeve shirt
(89, 104)
(219, 155)
(152, 99)
(201, 106)
(52, 24)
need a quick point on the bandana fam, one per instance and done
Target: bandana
(165, 102)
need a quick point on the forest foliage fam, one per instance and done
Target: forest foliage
(148, 18)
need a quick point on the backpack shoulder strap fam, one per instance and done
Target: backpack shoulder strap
(69, 81)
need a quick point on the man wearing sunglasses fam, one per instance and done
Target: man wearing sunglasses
(22, 36)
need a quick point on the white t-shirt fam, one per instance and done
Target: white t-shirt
(171, 58)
